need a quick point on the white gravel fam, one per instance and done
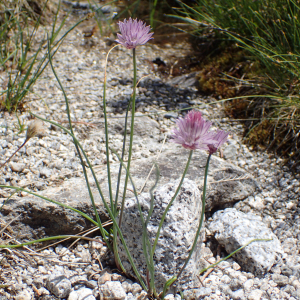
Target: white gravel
(48, 161)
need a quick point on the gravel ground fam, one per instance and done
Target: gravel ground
(86, 270)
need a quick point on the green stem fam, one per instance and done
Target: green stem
(145, 238)
(104, 202)
(201, 218)
(167, 285)
(115, 240)
(122, 157)
(131, 133)
(107, 148)
(152, 13)
(151, 263)
(49, 239)
(171, 202)
(52, 201)
(115, 237)
(228, 256)
(91, 168)
(77, 148)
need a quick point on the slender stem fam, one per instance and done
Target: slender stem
(52, 201)
(93, 173)
(103, 199)
(167, 286)
(232, 253)
(131, 133)
(132, 102)
(115, 237)
(201, 218)
(118, 261)
(49, 239)
(77, 149)
(107, 143)
(171, 202)
(151, 263)
(122, 157)
(152, 13)
(8, 160)
(145, 237)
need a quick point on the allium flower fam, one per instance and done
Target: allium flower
(133, 33)
(192, 132)
(220, 137)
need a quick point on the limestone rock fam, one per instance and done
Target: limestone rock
(82, 294)
(233, 229)
(227, 184)
(59, 285)
(50, 218)
(112, 290)
(176, 236)
(17, 167)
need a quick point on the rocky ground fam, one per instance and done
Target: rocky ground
(250, 188)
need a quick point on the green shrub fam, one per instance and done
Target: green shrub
(269, 32)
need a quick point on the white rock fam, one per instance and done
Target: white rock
(126, 286)
(142, 296)
(130, 297)
(82, 294)
(248, 285)
(73, 296)
(255, 295)
(170, 297)
(256, 202)
(238, 294)
(17, 167)
(24, 295)
(112, 290)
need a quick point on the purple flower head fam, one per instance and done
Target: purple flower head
(133, 33)
(220, 137)
(192, 132)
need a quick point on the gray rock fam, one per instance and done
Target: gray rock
(227, 184)
(17, 167)
(230, 152)
(281, 280)
(45, 172)
(112, 290)
(55, 219)
(142, 126)
(185, 80)
(170, 115)
(135, 289)
(58, 285)
(233, 229)
(176, 237)
(197, 293)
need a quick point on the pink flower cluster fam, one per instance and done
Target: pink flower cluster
(192, 133)
(133, 33)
